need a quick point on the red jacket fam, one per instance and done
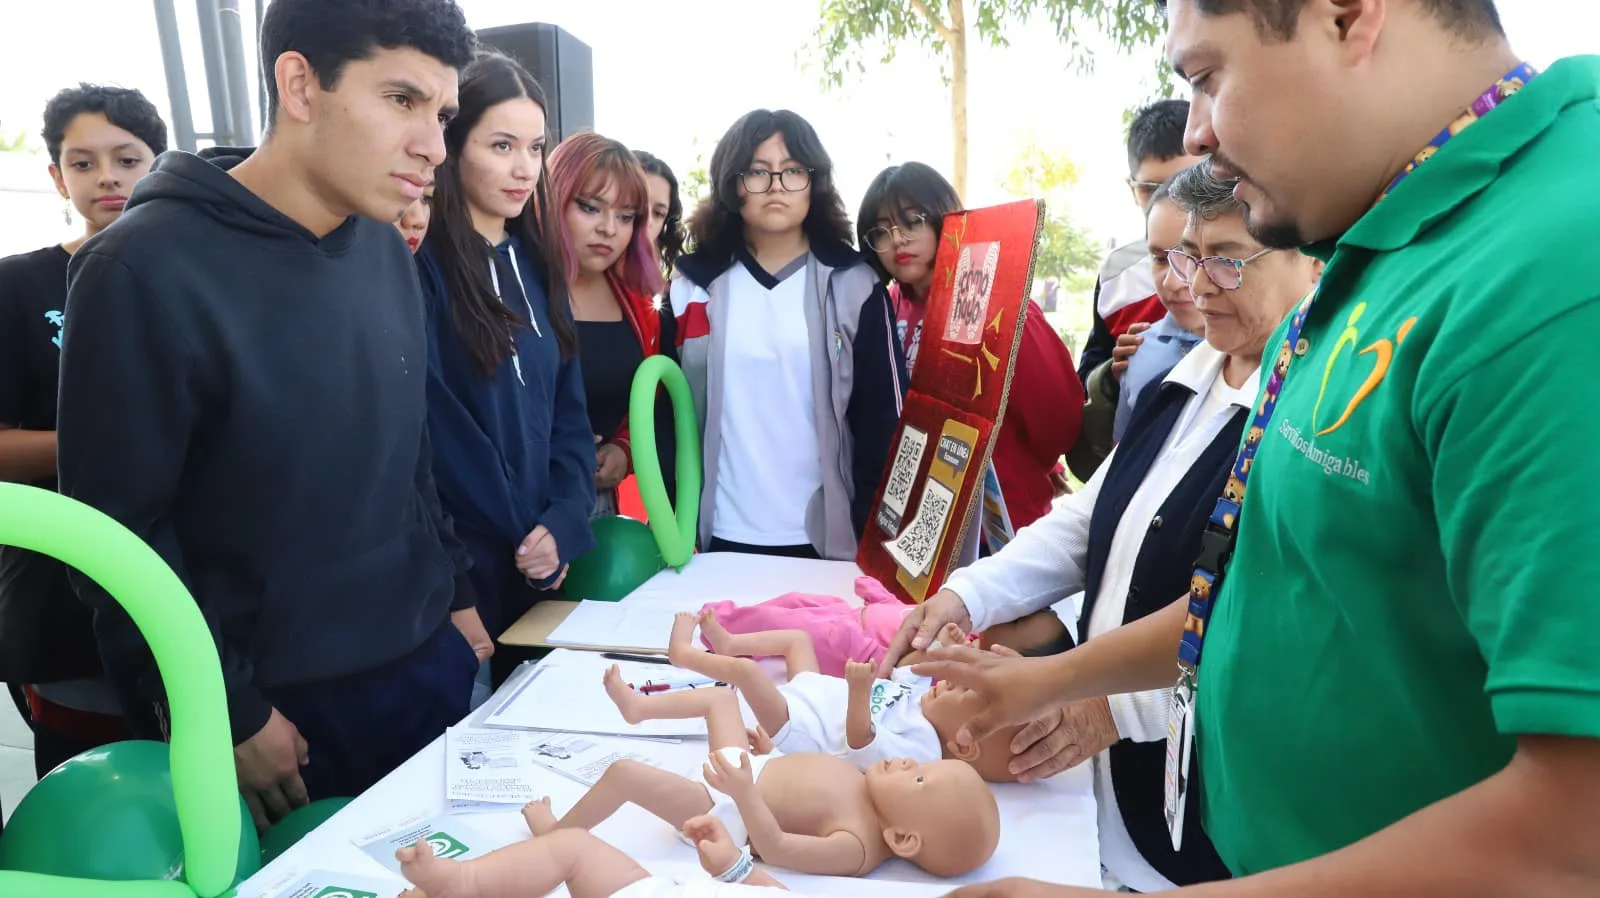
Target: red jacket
(641, 313)
(1041, 422)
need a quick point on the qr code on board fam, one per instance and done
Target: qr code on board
(916, 548)
(907, 459)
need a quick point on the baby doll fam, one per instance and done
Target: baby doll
(841, 634)
(859, 717)
(587, 866)
(814, 813)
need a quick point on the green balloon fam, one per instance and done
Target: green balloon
(109, 814)
(675, 530)
(205, 793)
(300, 822)
(625, 555)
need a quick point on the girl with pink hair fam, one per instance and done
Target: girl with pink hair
(601, 202)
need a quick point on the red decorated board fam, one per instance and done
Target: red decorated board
(926, 502)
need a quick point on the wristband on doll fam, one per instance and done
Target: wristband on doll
(741, 869)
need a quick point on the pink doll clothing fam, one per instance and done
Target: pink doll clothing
(836, 628)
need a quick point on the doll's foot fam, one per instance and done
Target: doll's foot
(680, 645)
(540, 818)
(629, 702)
(717, 636)
(434, 876)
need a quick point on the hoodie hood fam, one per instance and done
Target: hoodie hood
(202, 182)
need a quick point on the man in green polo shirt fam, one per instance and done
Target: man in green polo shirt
(1400, 687)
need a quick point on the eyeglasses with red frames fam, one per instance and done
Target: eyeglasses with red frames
(1227, 273)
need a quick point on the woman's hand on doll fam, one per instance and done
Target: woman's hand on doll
(1062, 739)
(760, 742)
(736, 782)
(610, 466)
(921, 627)
(712, 840)
(538, 558)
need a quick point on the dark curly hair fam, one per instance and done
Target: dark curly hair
(670, 244)
(1278, 19)
(333, 33)
(717, 228)
(127, 109)
(465, 258)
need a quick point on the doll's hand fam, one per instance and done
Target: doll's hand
(860, 675)
(712, 841)
(737, 783)
(760, 742)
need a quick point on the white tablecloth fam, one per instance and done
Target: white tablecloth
(1048, 829)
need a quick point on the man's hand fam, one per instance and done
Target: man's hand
(711, 839)
(269, 770)
(737, 783)
(472, 630)
(560, 579)
(1016, 690)
(1059, 484)
(611, 466)
(1016, 887)
(538, 557)
(922, 625)
(1127, 344)
(1062, 739)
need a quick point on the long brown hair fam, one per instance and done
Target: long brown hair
(484, 322)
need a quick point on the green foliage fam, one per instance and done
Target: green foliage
(17, 142)
(1065, 249)
(849, 32)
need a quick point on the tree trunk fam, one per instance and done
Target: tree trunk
(958, 92)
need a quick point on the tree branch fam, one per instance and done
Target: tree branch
(945, 32)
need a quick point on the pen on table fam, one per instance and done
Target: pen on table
(643, 659)
(653, 688)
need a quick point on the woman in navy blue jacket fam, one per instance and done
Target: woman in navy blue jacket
(513, 454)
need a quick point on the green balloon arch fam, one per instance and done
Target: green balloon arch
(204, 784)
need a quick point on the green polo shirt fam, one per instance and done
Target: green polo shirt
(1417, 574)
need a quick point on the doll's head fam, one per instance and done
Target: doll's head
(947, 707)
(938, 815)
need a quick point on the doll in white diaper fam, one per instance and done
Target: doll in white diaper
(587, 866)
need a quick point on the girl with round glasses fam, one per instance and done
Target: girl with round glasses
(901, 215)
(787, 340)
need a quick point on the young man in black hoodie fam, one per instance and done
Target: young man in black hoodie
(242, 385)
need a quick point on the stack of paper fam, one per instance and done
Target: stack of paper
(449, 837)
(607, 624)
(584, 757)
(566, 694)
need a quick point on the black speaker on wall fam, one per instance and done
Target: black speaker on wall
(563, 66)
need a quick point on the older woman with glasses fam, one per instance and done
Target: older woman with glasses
(1129, 539)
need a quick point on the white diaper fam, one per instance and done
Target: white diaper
(817, 709)
(662, 887)
(722, 806)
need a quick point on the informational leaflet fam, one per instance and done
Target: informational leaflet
(489, 770)
(324, 884)
(448, 836)
(585, 758)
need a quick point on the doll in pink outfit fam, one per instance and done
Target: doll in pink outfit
(841, 633)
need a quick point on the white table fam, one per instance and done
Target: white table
(1048, 829)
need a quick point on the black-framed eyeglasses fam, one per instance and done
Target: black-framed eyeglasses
(1225, 272)
(759, 180)
(881, 239)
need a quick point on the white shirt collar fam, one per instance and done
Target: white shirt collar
(1201, 368)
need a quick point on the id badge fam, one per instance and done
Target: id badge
(1180, 754)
